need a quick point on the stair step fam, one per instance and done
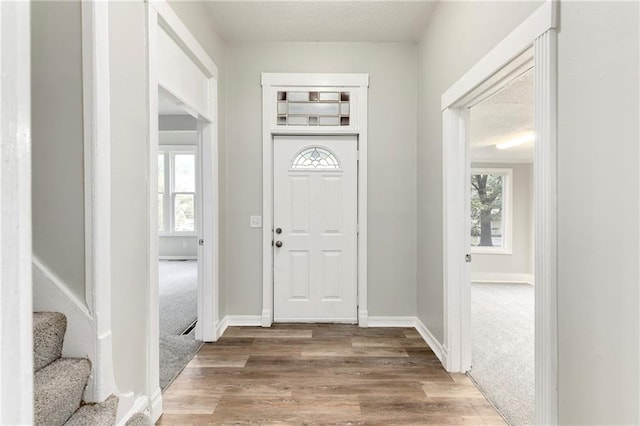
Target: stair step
(48, 335)
(139, 419)
(57, 390)
(100, 414)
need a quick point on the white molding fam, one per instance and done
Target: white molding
(16, 344)
(97, 184)
(502, 277)
(179, 31)
(546, 217)
(237, 321)
(392, 321)
(363, 317)
(152, 301)
(49, 278)
(161, 17)
(129, 405)
(270, 81)
(456, 240)
(314, 79)
(517, 42)
(155, 406)
(54, 296)
(537, 31)
(243, 320)
(433, 343)
(209, 253)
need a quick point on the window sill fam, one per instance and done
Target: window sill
(186, 234)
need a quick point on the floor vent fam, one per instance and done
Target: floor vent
(188, 329)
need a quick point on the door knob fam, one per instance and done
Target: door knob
(278, 230)
(278, 244)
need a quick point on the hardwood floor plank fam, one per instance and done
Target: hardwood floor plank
(322, 374)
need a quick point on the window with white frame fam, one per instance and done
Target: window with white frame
(491, 200)
(177, 190)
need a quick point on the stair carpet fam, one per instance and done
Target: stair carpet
(59, 382)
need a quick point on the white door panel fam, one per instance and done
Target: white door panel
(315, 206)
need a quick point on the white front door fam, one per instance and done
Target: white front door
(315, 228)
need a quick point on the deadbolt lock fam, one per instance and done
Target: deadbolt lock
(278, 230)
(467, 258)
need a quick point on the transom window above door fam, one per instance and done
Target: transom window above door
(177, 190)
(313, 108)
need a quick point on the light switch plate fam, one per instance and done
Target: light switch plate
(255, 221)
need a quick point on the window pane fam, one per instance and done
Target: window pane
(161, 172)
(161, 212)
(487, 207)
(185, 173)
(184, 213)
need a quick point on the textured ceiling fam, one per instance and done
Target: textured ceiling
(505, 116)
(322, 21)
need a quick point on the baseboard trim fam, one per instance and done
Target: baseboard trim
(139, 405)
(237, 321)
(243, 320)
(155, 405)
(433, 343)
(220, 327)
(392, 321)
(501, 278)
(363, 318)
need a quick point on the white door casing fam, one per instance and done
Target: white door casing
(179, 65)
(16, 343)
(532, 41)
(315, 222)
(357, 85)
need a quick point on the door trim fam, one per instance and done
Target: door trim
(16, 354)
(358, 83)
(532, 41)
(162, 18)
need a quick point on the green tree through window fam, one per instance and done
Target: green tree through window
(487, 208)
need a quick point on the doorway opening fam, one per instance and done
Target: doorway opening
(533, 44)
(179, 204)
(180, 70)
(501, 139)
(330, 108)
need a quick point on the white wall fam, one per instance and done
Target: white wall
(57, 142)
(196, 17)
(392, 165)
(598, 300)
(129, 171)
(598, 190)
(457, 36)
(518, 265)
(129, 164)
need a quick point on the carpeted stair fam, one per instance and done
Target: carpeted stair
(60, 382)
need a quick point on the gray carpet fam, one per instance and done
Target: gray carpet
(178, 310)
(503, 347)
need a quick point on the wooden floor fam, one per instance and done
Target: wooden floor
(322, 373)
